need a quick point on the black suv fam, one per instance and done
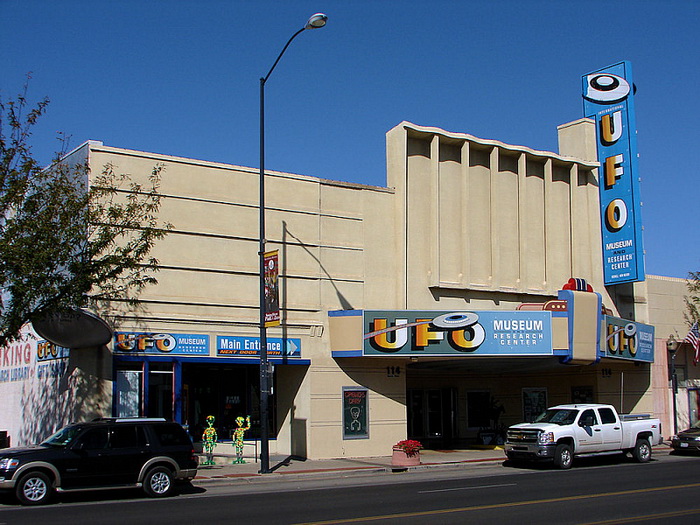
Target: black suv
(104, 453)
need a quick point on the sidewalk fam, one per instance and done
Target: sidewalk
(225, 469)
(284, 467)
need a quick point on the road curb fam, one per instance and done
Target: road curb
(334, 471)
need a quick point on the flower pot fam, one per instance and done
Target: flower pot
(400, 459)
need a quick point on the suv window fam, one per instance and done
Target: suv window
(171, 434)
(607, 416)
(94, 439)
(62, 437)
(128, 436)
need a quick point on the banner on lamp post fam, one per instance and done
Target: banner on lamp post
(272, 302)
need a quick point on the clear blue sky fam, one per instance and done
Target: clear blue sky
(182, 78)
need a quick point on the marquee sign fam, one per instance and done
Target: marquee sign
(429, 333)
(608, 96)
(628, 340)
(161, 343)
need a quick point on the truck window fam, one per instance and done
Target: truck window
(588, 419)
(607, 416)
(558, 416)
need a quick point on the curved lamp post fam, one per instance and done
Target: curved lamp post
(672, 347)
(316, 21)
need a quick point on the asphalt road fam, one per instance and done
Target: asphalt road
(595, 491)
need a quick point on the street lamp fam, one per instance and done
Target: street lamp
(316, 21)
(672, 347)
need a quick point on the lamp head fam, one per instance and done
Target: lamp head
(672, 344)
(316, 21)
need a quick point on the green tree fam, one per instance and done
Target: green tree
(692, 300)
(67, 241)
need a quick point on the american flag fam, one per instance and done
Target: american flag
(693, 338)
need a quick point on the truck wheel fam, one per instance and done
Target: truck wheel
(158, 482)
(642, 451)
(33, 488)
(563, 457)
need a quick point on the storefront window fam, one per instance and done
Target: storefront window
(189, 391)
(128, 391)
(225, 392)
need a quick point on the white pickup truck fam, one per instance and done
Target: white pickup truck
(565, 431)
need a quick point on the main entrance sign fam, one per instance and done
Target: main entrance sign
(250, 346)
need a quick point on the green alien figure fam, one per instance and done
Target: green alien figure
(209, 439)
(238, 437)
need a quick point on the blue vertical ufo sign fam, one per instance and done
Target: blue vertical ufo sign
(608, 98)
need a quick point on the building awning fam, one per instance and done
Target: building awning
(570, 328)
(197, 348)
(277, 361)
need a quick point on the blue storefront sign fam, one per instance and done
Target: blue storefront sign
(250, 346)
(628, 340)
(429, 333)
(608, 96)
(161, 343)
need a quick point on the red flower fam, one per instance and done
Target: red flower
(409, 446)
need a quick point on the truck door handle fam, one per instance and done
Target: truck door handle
(616, 428)
(597, 429)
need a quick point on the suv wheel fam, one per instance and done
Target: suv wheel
(33, 488)
(158, 482)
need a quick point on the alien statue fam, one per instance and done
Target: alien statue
(209, 439)
(238, 437)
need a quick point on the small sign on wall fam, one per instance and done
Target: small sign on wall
(534, 403)
(355, 413)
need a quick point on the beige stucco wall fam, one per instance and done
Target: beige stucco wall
(332, 238)
(489, 224)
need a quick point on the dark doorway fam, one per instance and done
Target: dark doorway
(432, 416)
(160, 390)
(478, 409)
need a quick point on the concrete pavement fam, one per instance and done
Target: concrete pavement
(225, 469)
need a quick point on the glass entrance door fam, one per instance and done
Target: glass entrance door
(160, 390)
(432, 416)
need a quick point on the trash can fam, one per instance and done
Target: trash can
(4, 439)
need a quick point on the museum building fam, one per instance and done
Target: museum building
(465, 296)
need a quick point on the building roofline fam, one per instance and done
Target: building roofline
(98, 146)
(666, 278)
(496, 143)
